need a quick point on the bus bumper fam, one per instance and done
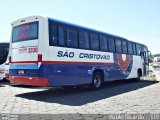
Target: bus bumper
(33, 81)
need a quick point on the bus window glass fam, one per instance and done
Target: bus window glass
(118, 46)
(124, 47)
(72, 38)
(103, 43)
(61, 36)
(3, 53)
(130, 48)
(134, 49)
(28, 31)
(138, 48)
(94, 42)
(6, 51)
(142, 48)
(53, 40)
(111, 44)
(83, 40)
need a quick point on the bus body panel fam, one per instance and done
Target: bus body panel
(67, 73)
(73, 73)
(72, 55)
(136, 66)
(25, 51)
(32, 75)
(28, 50)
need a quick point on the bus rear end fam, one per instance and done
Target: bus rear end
(26, 57)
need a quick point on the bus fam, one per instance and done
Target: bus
(51, 52)
(4, 49)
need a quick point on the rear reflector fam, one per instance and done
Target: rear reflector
(39, 57)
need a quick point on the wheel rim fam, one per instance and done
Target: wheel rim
(97, 81)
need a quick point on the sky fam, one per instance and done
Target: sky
(136, 20)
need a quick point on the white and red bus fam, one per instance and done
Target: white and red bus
(49, 52)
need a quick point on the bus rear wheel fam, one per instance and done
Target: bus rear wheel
(97, 81)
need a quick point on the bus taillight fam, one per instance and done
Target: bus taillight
(39, 57)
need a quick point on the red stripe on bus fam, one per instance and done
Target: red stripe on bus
(34, 81)
(62, 62)
(25, 62)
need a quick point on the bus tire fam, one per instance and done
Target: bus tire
(97, 81)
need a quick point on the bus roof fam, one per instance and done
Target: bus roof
(4, 43)
(88, 29)
(73, 25)
(82, 27)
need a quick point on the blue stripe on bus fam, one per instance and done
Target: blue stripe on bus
(72, 74)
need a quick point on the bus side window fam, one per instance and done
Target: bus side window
(83, 40)
(130, 48)
(94, 42)
(134, 49)
(124, 47)
(103, 43)
(6, 50)
(118, 46)
(142, 53)
(111, 45)
(138, 48)
(61, 36)
(3, 54)
(72, 38)
(53, 40)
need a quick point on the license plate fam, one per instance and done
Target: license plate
(21, 71)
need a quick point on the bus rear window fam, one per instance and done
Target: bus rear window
(28, 31)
